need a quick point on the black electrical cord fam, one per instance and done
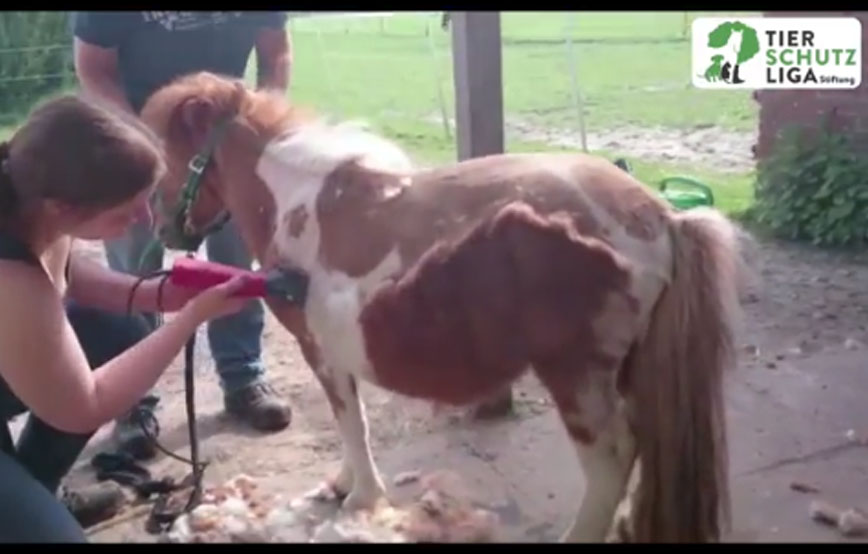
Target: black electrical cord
(161, 518)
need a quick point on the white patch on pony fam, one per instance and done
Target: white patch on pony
(334, 304)
(294, 167)
(317, 149)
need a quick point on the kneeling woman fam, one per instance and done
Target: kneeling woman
(75, 170)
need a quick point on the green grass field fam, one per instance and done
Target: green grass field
(633, 68)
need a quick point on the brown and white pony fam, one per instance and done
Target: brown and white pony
(449, 283)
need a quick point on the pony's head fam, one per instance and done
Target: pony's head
(194, 116)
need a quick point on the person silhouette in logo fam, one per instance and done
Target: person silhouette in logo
(725, 72)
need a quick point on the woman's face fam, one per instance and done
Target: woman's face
(112, 223)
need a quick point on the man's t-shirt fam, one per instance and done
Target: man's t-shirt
(156, 47)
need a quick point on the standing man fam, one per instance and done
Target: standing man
(124, 57)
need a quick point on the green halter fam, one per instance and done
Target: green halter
(182, 232)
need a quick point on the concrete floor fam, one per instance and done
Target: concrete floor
(789, 413)
(793, 431)
(527, 473)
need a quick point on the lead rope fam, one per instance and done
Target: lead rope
(161, 517)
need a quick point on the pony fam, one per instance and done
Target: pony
(449, 283)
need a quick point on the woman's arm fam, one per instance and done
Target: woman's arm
(45, 367)
(96, 286)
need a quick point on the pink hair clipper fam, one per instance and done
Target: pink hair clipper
(200, 274)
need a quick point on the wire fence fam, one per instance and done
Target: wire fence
(35, 59)
(565, 74)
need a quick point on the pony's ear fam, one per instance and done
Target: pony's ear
(196, 117)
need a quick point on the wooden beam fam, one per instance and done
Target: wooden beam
(477, 67)
(476, 63)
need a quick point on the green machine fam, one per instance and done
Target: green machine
(683, 193)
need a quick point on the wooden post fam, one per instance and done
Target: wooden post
(476, 62)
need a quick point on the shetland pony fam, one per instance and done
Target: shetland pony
(449, 283)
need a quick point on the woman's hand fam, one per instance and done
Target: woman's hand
(172, 298)
(218, 301)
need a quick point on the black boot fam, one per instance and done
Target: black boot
(136, 432)
(94, 503)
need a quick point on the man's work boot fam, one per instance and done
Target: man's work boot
(93, 503)
(258, 405)
(136, 432)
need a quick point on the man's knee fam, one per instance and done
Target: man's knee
(105, 335)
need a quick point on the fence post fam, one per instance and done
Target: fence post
(476, 57)
(476, 63)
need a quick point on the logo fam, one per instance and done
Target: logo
(777, 53)
(187, 21)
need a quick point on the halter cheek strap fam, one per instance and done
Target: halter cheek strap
(184, 232)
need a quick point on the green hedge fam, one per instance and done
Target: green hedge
(35, 59)
(814, 188)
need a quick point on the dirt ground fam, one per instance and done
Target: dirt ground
(812, 306)
(703, 145)
(709, 146)
(797, 399)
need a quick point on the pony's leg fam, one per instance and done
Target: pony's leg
(357, 479)
(359, 469)
(598, 425)
(622, 526)
(340, 485)
(607, 457)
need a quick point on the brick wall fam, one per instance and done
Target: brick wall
(806, 108)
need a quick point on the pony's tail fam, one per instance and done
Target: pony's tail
(676, 385)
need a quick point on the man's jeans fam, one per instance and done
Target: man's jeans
(235, 340)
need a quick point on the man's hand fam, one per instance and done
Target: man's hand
(274, 59)
(97, 71)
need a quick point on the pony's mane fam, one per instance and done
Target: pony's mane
(269, 113)
(321, 145)
(317, 143)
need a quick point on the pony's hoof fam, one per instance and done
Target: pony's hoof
(364, 499)
(328, 491)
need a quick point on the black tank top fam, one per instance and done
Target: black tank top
(13, 248)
